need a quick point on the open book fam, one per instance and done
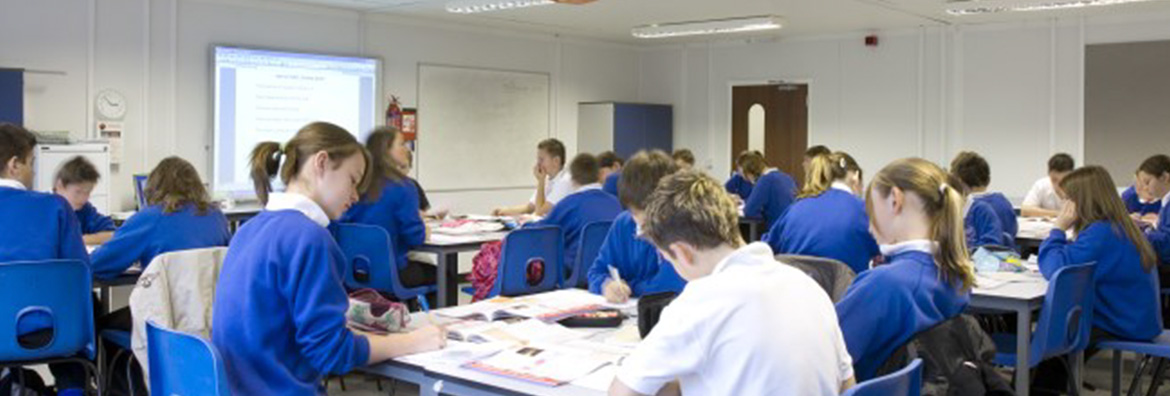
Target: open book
(518, 333)
(543, 364)
(549, 307)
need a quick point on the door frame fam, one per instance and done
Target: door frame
(730, 92)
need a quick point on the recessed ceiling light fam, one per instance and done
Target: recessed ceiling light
(715, 26)
(478, 6)
(1048, 6)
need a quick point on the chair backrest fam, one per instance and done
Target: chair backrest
(592, 236)
(520, 250)
(904, 382)
(52, 298)
(369, 260)
(833, 276)
(183, 364)
(1066, 318)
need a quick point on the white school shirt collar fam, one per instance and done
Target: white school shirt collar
(770, 170)
(590, 186)
(300, 203)
(916, 245)
(842, 186)
(10, 183)
(750, 254)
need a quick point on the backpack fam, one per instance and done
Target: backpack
(485, 267)
(957, 360)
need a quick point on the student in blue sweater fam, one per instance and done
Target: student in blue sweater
(1137, 205)
(1125, 279)
(1154, 179)
(36, 226)
(179, 216)
(611, 171)
(588, 205)
(916, 217)
(392, 203)
(641, 269)
(973, 171)
(828, 219)
(738, 185)
(75, 182)
(773, 192)
(279, 315)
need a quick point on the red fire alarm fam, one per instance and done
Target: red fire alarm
(871, 40)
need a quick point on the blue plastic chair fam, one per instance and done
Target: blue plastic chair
(1065, 319)
(182, 364)
(520, 249)
(121, 340)
(592, 236)
(369, 262)
(53, 295)
(904, 382)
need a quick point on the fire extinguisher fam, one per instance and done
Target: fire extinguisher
(394, 113)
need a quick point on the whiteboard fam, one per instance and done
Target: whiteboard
(478, 128)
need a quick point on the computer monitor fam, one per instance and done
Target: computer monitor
(140, 190)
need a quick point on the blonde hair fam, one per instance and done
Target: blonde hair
(690, 206)
(826, 169)
(313, 138)
(943, 205)
(1091, 189)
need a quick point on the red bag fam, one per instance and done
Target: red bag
(485, 267)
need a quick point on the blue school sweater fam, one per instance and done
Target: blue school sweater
(611, 183)
(1133, 203)
(1126, 295)
(1005, 212)
(150, 232)
(576, 211)
(983, 226)
(279, 315)
(832, 225)
(37, 226)
(771, 196)
(396, 211)
(93, 222)
(739, 185)
(636, 260)
(887, 305)
(1159, 236)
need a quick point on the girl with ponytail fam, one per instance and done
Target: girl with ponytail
(916, 216)
(279, 313)
(828, 219)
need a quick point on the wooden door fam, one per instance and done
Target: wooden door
(785, 124)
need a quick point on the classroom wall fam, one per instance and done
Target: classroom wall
(156, 52)
(1012, 91)
(1127, 95)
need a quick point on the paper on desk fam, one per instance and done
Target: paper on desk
(456, 353)
(997, 279)
(598, 380)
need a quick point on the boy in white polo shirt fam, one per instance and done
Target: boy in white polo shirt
(745, 324)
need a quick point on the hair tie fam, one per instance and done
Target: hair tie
(942, 190)
(843, 163)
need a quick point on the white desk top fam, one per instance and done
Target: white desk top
(1025, 287)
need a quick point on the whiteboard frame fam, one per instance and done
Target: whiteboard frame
(418, 101)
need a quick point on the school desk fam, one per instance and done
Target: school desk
(448, 247)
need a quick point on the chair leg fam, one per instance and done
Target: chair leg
(1137, 376)
(341, 380)
(1116, 388)
(1156, 377)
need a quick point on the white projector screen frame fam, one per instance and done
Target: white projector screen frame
(241, 153)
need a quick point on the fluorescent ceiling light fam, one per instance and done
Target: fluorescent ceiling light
(477, 6)
(715, 26)
(1048, 6)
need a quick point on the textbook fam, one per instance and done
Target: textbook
(542, 364)
(520, 332)
(549, 307)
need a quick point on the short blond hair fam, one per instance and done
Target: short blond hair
(690, 206)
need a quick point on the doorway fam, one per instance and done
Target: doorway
(772, 118)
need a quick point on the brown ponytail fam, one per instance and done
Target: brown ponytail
(336, 142)
(943, 204)
(826, 169)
